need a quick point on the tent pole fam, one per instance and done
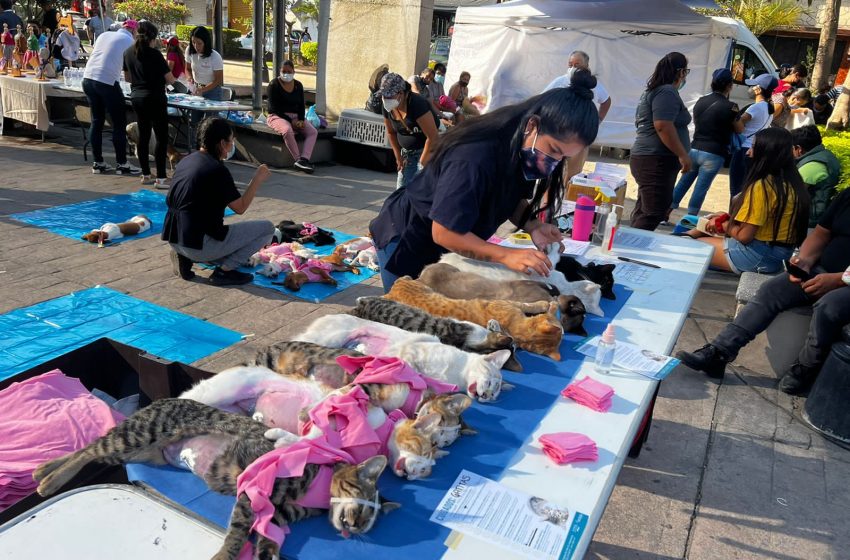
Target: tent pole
(279, 35)
(259, 53)
(218, 42)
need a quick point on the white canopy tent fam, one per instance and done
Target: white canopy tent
(514, 50)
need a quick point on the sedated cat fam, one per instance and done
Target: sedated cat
(453, 283)
(300, 359)
(460, 334)
(541, 334)
(480, 375)
(602, 274)
(147, 436)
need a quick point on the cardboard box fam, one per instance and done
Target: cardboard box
(605, 178)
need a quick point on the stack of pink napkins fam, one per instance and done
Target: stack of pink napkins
(590, 393)
(569, 447)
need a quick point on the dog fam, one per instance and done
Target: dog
(172, 154)
(287, 231)
(110, 231)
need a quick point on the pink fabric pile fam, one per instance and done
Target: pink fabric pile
(43, 418)
(569, 447)
(590, 393)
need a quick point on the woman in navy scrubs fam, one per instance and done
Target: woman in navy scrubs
(485, 171)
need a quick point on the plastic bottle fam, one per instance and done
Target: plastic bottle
(611, 224)
(583, 218)
(605, 350)
(602, 213)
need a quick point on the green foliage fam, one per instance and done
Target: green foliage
(30, 10)
(162, 13)
(838, 142)
(231, 47)
(307, 9)
(761, 15)
(310, 52)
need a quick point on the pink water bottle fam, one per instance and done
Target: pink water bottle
(583, 218)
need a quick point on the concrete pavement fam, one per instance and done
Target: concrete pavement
(728, 471)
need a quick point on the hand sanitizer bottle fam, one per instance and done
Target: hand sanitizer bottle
(605, 350)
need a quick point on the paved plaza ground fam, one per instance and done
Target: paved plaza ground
(728, 470)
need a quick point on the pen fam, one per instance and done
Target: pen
(627, 259)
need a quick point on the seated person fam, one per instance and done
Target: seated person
(825, 254)
(822, 109)
(201, 189)
(769, 217)
(818, 167)
(286, 116)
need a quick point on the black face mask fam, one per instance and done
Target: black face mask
(463, 84)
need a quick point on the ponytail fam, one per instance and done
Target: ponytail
(146, 33)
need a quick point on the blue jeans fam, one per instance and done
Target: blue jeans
(738, 168)
(755, 256)
(705, 168)
(104, 98)
(410, 169)
(387, 277)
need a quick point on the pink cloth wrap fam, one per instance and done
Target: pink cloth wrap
(312, 276)
(569, 447)
(309, 229)
(388, 371)
(276, 250)
(353, 434)
(257, 483)
(590, 393)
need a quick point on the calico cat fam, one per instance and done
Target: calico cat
(602, 274)
(287, 405)
(541, 334)
(449, 281)
(460, 334)
(586, 291)
(480, 375)
(146, 435)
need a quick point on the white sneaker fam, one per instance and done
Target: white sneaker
(127, 169)
(99, 168)
(163, 184)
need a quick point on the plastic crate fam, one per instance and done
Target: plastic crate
(362, 127)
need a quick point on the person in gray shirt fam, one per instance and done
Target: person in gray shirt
(661, 144)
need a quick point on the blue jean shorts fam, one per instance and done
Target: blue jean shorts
(755, 256)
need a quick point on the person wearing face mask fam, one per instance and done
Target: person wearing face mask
(486, 171)
(437, 85)
(201, 189)
(754, 117)
(662, 145)
(411, 126)
(459, 92)
(286, 116)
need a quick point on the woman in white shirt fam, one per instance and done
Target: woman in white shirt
(204, 65)
(755, 117)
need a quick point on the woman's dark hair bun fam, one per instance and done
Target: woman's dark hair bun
(582, 83)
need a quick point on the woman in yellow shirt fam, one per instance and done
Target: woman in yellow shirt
(770, 216)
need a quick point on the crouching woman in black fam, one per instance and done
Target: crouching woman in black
(201, 189)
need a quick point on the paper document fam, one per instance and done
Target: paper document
(633, 358)
(634, 241)
(525, 524)
(573, 247)
(628, 274)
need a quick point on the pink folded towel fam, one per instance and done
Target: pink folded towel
(569, 447)
(590, 393)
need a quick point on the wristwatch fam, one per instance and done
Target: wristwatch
(846, 276)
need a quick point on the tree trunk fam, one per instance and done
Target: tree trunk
(840, 118)
(826, 45)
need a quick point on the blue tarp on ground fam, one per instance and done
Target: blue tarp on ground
(407, 532)
(74, 220)
(32, 335)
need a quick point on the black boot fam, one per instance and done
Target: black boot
(708, 359)
(181, 266)
(221, 277)
(798, 379)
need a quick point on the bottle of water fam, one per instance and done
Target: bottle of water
(66, 77)
(605, 350)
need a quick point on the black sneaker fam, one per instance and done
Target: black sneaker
(798, 379)
(221, 277)
(304, 165)
(181, 266)
(127, 169)
(99, 168)
(708, 359)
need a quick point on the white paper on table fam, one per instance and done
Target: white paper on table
(525, 524)
(633, 358)
(634, 240)
(574, 247)
(626, 273)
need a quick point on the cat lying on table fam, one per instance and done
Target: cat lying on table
(156, 434)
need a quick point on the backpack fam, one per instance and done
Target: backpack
(375, 104)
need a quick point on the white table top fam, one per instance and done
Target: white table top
(177, 102)
(652, 318)
(105, 522)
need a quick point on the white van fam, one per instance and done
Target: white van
(514, 50)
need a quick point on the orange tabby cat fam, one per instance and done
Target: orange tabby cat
(540, 334)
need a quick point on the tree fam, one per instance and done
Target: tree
(763, 15)
(162, 13)
(30, 10)
(840, 119)
(826, 44)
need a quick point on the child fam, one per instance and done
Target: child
(175, 58)
(800, 112)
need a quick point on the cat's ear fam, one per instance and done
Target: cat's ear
(369, 470)
(499, 357)
(466, 429)
(440, 453)
(428, 423)
(494, 326)
(508, 386)
(388, 506)
(606, 268)
(457, 403)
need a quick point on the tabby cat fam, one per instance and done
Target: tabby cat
(460, 334)
(451, 282)
(541, 334)
(147, 435)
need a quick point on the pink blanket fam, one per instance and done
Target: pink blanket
(43, 418)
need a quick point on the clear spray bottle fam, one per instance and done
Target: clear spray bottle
(605, 350)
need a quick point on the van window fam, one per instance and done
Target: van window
(745, 64)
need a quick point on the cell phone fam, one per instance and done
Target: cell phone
(796, 271)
